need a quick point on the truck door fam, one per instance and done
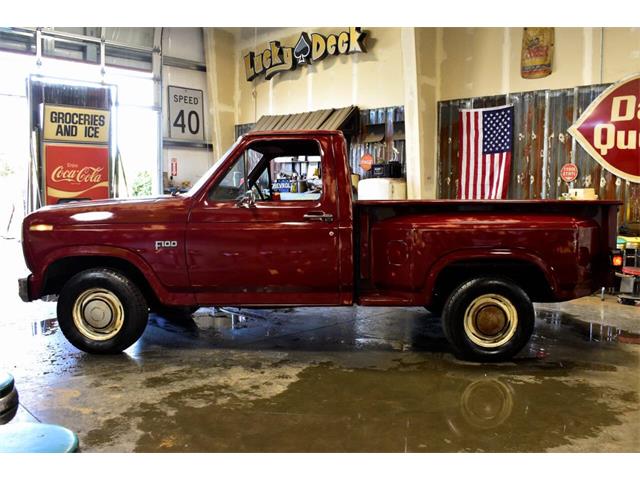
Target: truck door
(265, 232)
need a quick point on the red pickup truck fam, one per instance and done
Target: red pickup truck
(274, 223)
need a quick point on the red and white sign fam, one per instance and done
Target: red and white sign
(75, 172)
(569, 172)
(609, 130)
(174, 167)
(366, 162)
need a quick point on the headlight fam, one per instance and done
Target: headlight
(40, 227)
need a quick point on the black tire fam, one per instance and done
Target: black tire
(9, 402)
(7, 416)
(128, 306)
(488, 335)
(436, 308)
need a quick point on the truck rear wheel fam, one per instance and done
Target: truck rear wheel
(102, 311)
(488, 319)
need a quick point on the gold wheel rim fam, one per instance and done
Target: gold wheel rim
(98, 314)
(490, 321)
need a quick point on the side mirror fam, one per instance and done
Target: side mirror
(248, 200)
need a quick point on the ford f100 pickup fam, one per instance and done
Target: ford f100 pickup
(274, 223)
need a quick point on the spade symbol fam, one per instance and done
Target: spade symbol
(302, 49)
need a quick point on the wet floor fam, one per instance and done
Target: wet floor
(333, 379)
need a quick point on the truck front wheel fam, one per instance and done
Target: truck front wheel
(488, 319)
(101, 311)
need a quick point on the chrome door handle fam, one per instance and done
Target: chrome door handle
(318, 217)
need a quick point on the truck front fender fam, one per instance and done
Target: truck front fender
(39, 277)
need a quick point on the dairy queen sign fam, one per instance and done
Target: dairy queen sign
(609, 129)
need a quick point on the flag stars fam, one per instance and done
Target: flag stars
(497, 130)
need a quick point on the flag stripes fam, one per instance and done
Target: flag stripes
(485, 153)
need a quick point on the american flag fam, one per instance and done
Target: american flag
(486, 142)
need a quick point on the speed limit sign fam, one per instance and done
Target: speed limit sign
(186, 113)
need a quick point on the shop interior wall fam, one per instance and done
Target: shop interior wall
(450, 63)
(463, 63)
(428, 45)
(536, 163)
(187, 44)
(486, 61)
(370, 80)
(221, 59)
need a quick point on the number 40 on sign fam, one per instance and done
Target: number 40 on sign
(185, 113)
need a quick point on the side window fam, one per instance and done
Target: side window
(232, 186)
(275, 170)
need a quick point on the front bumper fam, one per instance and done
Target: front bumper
(23, 289)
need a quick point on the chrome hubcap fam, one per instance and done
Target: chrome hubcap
(98, 314)
(490, 321)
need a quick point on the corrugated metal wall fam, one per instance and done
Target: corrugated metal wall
(541, 146)
(378, 131)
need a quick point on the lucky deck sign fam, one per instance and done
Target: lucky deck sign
(609, 129)
(310, 48)
(75, 172)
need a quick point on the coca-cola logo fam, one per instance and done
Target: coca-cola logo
(77, 175)
(75, 172)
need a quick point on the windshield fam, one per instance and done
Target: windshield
(203, 179)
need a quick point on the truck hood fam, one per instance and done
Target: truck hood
(162, 209)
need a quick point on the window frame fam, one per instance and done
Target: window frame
(242, 151)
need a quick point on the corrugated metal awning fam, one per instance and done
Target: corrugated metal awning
(329, 119)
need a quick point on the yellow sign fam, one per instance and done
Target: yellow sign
(76, 124)
(309, 48)
(537, 52)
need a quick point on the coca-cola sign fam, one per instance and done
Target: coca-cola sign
(75, 172)
(609, 129)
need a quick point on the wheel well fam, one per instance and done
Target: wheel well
(60, 271)
(526, 275)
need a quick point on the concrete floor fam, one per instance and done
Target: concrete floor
(330, 379)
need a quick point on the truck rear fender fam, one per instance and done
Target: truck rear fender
(525, 268)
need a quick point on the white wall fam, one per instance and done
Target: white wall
(370, 80)
(185, 43)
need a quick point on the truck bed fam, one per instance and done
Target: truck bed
(404, 246)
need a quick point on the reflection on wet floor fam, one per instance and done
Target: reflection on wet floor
(592, 331)
(337, 379)
(421, 406)
(216, 319)
(44, 327)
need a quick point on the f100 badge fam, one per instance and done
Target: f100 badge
(166, 244)
(309, 48)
